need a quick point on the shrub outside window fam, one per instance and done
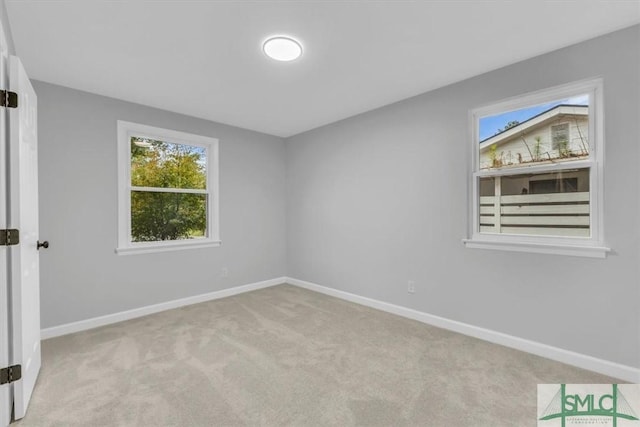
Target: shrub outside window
(536, 178)
(167, 189)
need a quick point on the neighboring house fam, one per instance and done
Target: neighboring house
(558, 133)
(555, 135)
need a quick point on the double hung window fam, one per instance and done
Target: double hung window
(167, 189)
(536, 177)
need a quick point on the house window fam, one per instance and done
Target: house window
(560, 137)
(536, 173)
(167, 189)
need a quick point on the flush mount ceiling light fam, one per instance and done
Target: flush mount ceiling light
(282, 48)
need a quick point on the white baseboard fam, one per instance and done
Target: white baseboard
(623, 372)
(95, 322)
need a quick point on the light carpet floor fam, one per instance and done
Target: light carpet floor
(286, 356)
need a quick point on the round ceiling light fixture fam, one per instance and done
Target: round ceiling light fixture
(282, 48)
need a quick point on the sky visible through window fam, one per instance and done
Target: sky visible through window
(492, 125)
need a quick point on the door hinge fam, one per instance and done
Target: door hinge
(9, 237)
(8, 99)
(10, 374)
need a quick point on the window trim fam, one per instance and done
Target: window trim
(125, 246)
(592, 246)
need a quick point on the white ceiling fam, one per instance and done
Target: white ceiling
(204, 58)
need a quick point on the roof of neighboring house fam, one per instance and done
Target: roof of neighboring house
(535, 120)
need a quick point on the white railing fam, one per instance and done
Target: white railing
(557, 214)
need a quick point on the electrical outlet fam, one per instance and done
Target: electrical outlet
(411, 287)
(224, 272)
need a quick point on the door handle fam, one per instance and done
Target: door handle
(44, 244)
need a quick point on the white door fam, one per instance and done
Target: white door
(5, 402)
(23, 215)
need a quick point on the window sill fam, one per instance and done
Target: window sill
(540, 248)
(166, 247)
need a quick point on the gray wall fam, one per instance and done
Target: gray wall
(4, 21)
(381, 198)
(81, 276)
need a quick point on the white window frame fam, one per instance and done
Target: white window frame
(127, 130)
(592, 246)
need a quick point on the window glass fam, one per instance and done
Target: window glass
(552, 132)
(544, 204)
(167, 216)
(163, 164)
